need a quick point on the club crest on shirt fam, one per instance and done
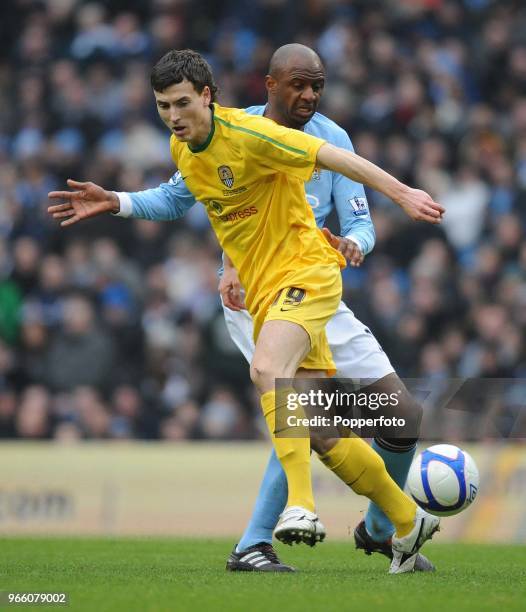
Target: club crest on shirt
(316, 175)
(226, 175)
(359, 206)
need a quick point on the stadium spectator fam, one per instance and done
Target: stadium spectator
(33, 418)
(79, 354)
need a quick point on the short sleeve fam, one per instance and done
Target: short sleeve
(280, 148)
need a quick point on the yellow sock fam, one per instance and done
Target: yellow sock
(362, 469)
(293, 453)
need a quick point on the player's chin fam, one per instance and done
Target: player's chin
(181, 137)
(301, 117)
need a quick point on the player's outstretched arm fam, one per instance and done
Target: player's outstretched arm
(416, 203)
(167, 202)
(87, 200)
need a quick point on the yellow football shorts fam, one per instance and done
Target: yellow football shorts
(310, 299)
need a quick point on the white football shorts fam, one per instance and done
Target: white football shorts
(355, 350)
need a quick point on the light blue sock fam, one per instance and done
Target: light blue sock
(377, 524)
(270, 503)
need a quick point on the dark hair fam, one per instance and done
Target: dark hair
(175, 66)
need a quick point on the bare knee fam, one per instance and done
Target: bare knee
(411, 411)
(406, 408)
(263, 375)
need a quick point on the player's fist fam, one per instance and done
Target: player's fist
(420, 206)
(348, 248)
(85, 201)
(230, 289)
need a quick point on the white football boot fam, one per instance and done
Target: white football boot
(405, 550)
(296, 524)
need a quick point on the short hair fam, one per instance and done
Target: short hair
(177, 65)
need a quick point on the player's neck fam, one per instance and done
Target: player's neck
(271, 112)
(204, 131)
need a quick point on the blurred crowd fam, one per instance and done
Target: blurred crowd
(113, 328)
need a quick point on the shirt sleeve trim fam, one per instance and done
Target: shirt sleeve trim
(126, 204)
(355, 240)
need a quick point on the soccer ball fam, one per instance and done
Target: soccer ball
(443, 480)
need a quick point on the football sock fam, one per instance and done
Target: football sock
(363, 470)
(270, 503)
(293, 453)
(397, 459)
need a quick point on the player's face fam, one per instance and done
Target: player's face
(185, 112)
(297, 93)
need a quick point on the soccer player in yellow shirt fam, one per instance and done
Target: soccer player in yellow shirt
(249, 173)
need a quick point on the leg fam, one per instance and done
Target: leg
(270, 503)
(363, 470)
(273, 492)
(397, 452)
(358, 355)
(280, 348)
(254, 552)
(289, 333)
(359, 467)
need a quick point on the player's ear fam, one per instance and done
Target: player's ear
(206, 95)
(270, 83)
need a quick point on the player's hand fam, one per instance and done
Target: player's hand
(349, 249)
(420, 206)
(230, 289)
(87, 200)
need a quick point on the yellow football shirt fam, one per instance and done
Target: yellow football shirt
(250, 175)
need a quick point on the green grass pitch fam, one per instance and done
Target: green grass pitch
(160, 575)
